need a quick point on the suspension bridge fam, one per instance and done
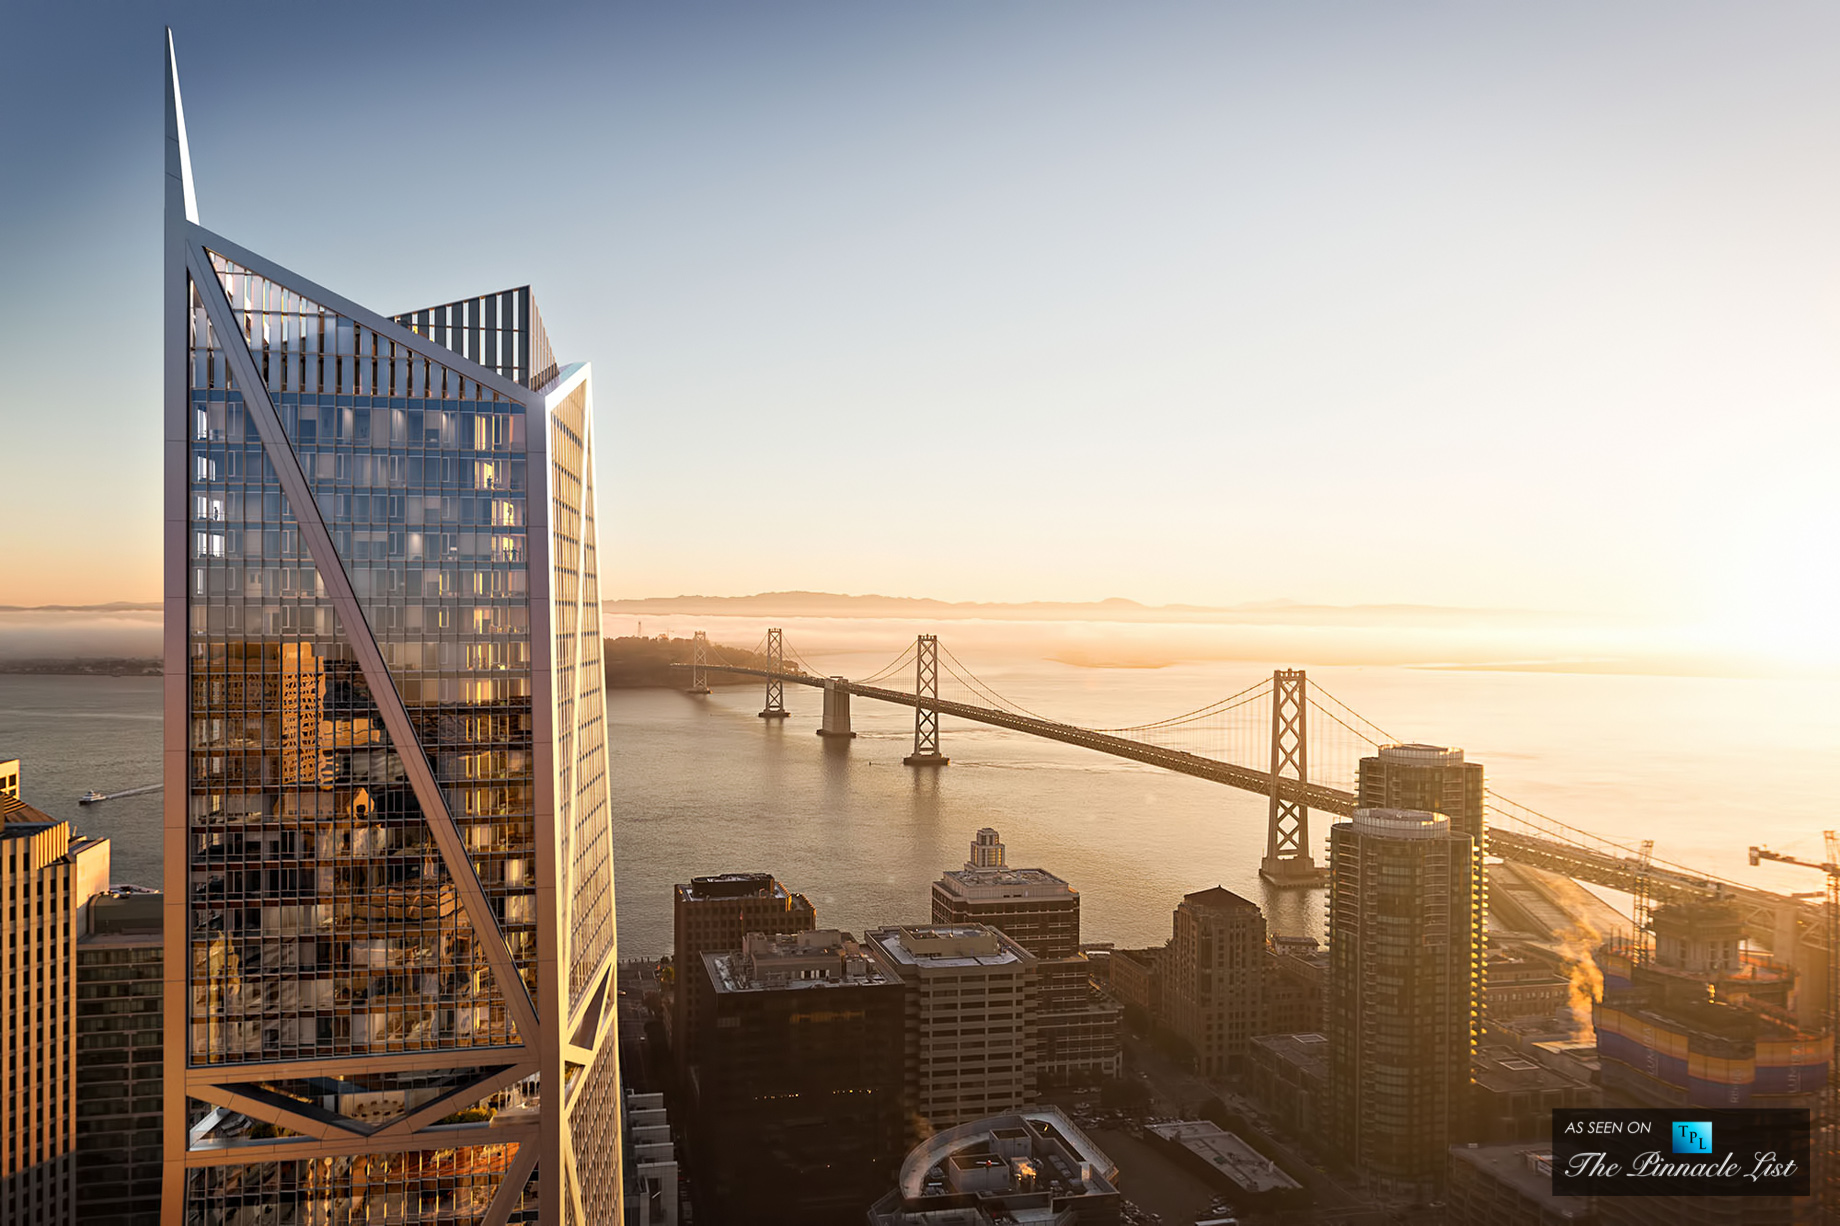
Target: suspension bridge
(1281, 737)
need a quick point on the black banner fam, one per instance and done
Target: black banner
(1691, 1151)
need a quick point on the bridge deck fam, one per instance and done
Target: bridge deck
(1765, 910)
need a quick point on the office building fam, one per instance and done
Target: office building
(970, 1032)
(1513, 1096)
(1016, 1167)
(120, 1051)
(48, 873)
(1214, 981)
(1296, 969)
(1288, 1075)
(711, 915)
(1403, 994)
(797, 1117)
(9, 777)
(1079, 1032)
(1510, 1185)
(388, 853)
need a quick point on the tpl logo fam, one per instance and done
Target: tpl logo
(1692, 1136)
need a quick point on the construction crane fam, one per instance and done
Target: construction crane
(1827, 1130)
(1643, 902)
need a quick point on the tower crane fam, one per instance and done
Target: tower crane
(1827, 1134)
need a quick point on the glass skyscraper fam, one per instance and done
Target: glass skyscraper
(389, 876)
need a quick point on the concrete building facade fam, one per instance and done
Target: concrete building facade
(1079, 1031)
(120, 1078)
(970, 1041)
(1214, 977)
(711, 915)
(48, 874)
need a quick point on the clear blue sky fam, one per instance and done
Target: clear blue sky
(1523, 305)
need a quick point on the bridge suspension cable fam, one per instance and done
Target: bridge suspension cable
(890, 669)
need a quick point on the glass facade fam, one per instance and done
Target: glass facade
(390, 846)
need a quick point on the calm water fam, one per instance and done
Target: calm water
(701, 785)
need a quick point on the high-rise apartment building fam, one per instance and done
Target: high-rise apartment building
(389, 878)
(798, 1114)
(712, 915)
(120, 980)
(1079, 1032)
(1403, 994)
(970, 1033)
(1214, 977)
(47, 875)
(1436, 779)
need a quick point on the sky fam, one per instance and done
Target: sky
(1479, 305)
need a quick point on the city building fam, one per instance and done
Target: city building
(1522, 987)
(1437, 779)
(1512, 1097)
(120, 979)
(1296, 970)
(388, 842)
(1404, 1000)
(1030, 1168)
(1661, 1043)
(970, 1032)
(1214, 977)
(1288, 1075)
(9, 777)
(711, 915)
(1134, 977)
(1079, 1032)
(1231, 1166)
(797, 1113)
(49, 873)
(653, 1191)
(1510, 1185)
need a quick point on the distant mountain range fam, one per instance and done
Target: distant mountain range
(1116, 608)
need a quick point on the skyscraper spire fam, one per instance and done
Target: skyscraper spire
(178, 152)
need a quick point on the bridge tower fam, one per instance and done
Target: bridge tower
(1287, 832)
(699, 663)
(836, 709)
(776, 664)
(926, 717)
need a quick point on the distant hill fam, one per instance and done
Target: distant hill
(635, 663)
(1116, 608)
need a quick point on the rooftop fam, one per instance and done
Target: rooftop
(1006, 883)
(732, 885)
(1227, 1154)
(1525, 1168)
(796, 961)
(1401, 823)
(1308, 1050)
(947, 945)
(1219, 898)
(1503, 1070)
(1037, 1151)
(1420, 754)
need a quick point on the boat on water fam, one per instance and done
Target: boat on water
(91, 797)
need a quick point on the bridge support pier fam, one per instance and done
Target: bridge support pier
(776, 689)
(1287, 861)
(699, 661)
(836, 710)
(926, 718)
